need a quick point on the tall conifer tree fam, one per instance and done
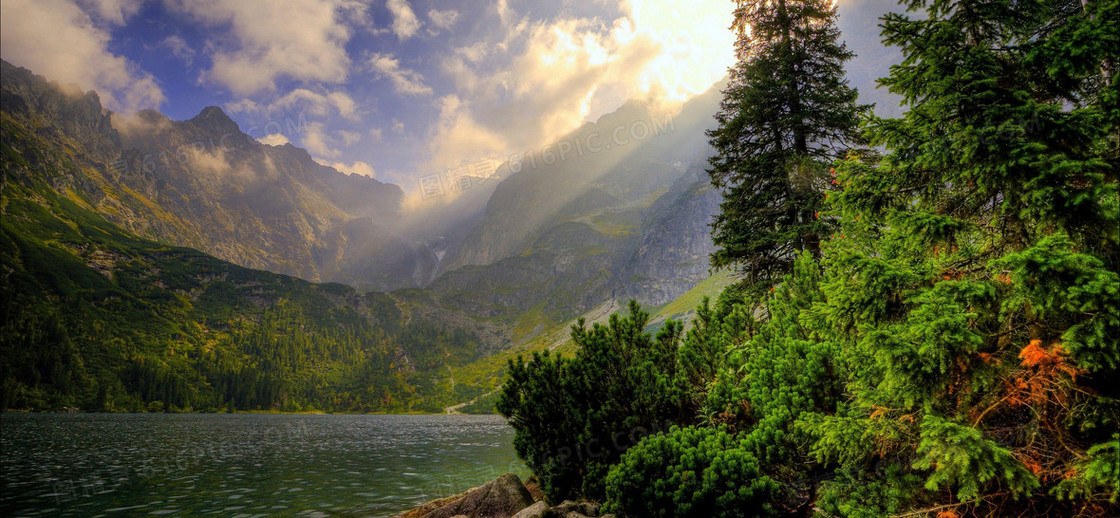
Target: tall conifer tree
(787, 112)
(972, 287)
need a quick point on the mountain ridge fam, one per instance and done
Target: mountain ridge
(199, 183)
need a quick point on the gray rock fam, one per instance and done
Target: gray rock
(536, 510)
(502, 497)
(568, 507)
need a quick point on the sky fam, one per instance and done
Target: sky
(394, 89)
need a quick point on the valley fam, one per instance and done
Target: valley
(153, 264)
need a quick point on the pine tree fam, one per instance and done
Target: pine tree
(575, 417)
(972, 283)
(787, 112)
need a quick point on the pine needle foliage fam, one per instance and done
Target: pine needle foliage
(787, 112)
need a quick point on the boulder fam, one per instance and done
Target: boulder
(570, 509)
(536, 510)
(502, 497)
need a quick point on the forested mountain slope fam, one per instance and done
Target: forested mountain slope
(97, 318)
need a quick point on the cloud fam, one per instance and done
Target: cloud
(535, 80)
(405, 22)
(113, 11)
(460, 138)
(275, 139)
(137, 124)
(322, 143)
(57, 39)
(474, 53)
(358, 168)
(442, 19)
(349, 138)
(316, 140)
(179, 48)
(543, 87)
(697, 44)
(405, 81)
(304, 40)
(320, 104)
(214, 164)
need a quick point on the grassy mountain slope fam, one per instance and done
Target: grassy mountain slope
(486, 374)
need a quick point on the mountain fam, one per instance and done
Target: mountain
(133, 250)
(97, 317)
(203, 183)
(618, 209)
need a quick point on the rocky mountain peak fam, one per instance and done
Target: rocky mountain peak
(215, 121)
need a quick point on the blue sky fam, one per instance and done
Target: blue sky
(396, 89)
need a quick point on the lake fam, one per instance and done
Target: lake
(244, 464)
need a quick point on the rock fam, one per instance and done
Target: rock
(536, 510)
(534, 486)
(568, 507)
(419, 512)
(502, 497)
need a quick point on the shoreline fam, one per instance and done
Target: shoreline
(236, 412)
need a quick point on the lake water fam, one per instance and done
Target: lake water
(244, 465)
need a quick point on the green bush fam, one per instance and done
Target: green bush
(689, 472)
(575, 417)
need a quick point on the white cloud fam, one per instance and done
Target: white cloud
(405, 81)
(275, 139)
(57, 39)
(179, 48)
(442, 19)
(358, 168)
(535, 80)
(319, 104)
(460, 138)
(405, 22)
(473, 53)
(213, 164)
(697, 44)
(349, 138)
(375, 134)
(303, 40)
(317, 140)
(113, 11)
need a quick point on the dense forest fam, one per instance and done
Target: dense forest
(929, 307)
(97, 319)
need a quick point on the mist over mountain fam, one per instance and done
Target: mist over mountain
(601, 215)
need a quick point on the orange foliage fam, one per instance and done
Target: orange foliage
(878, 412)
(1042, 382)
(948, 514)
(1051, 361)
